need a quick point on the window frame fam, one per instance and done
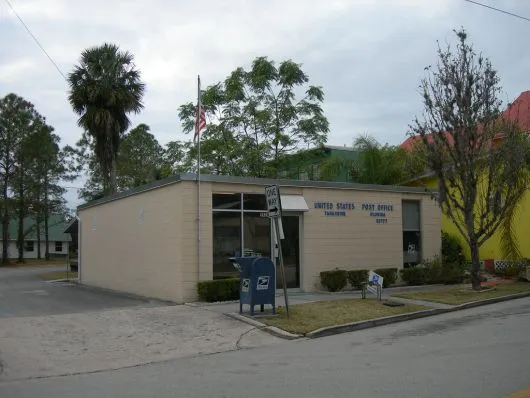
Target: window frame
(26, 242)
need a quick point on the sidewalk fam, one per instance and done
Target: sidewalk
(297, 297)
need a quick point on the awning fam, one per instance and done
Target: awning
(293, 203)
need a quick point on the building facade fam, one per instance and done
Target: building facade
(160, 239)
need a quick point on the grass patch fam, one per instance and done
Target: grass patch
(33, 262)
(51, 276)
(308, 317)
(466, 295)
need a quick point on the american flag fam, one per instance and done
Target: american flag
(200, 118)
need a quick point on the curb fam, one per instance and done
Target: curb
(371, 323)
(269, 329)
(351, 327)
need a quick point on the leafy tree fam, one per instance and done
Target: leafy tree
(255, 118)
(480, 179)
(140, 159)
(104, 88)
(84, 161)
(374, 163)
(23, 180)
(50, 167)
(178, 157)
(17, 118)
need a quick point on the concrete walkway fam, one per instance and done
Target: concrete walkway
(296, 297)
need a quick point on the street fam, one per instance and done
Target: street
(482, 352)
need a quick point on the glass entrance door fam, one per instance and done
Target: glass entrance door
(290, 251)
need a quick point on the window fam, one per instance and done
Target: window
(411, 232)
(252, 201)
(226, 243)
(58, 246)
(230, 201)
(238, 229)
(29, 246)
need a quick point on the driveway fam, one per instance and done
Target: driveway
(50, 329)
(23, 293)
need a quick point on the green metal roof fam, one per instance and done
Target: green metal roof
(56, 226)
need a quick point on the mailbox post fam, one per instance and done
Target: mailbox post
(257, 284)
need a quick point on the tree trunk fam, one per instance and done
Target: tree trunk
(475, 265)
(20, 237)
(46, 219)
(113, 188)
(37, 225)
(5, 224)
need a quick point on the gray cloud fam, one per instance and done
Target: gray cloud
(368, 55)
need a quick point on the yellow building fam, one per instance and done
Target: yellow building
(490, 252)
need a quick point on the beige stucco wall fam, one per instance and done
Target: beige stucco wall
(157, 255)
(357, 241)
(188, 223)
(133, 244)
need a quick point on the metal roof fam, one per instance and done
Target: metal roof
(255, 181)
(56, 226)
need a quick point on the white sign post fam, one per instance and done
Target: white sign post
(375, 284)
(274, 212)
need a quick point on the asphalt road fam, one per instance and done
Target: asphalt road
(482, 352)
(23, 293)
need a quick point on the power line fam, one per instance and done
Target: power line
(35, 39)
(499, 10)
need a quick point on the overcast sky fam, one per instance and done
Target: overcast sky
(369, 55)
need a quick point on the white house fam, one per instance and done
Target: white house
(58, 240)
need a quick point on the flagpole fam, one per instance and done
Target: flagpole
(199, 106)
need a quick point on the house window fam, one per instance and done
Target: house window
(29, 246)
(58, 246)
(411, 232)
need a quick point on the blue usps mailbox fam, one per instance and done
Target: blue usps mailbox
(257, 284)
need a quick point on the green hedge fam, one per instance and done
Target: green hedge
(434, 272)
(389, 275)
(218, 290)
(334, 280)
(357, 277)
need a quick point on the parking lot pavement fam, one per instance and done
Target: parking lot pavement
(24, 293)
(57, 329)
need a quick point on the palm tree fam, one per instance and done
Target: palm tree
(104, 88)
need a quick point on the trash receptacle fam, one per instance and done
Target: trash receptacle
(257, 282)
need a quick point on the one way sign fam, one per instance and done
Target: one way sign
(274, 206)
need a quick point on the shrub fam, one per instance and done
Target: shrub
(434, 272)
(452, 273)
(218, 290)
(334, 280)
(452, 252)
(357, 277)
(389, 275)
(413, 275)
